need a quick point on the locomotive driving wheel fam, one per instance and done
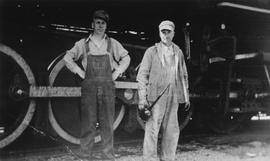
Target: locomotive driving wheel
(228, 123)
(225, 123)
(64, 113)
(16, 108)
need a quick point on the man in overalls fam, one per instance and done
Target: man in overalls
(103, 60)
(163, 69)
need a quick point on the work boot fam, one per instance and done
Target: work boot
(83, 155)
(103, 157)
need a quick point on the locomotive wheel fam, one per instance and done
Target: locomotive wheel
(227, 123)
(223, 123)
(183, 118)
(64, 113)
(16, 108)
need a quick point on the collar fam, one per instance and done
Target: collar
(161, 57)
(160, 46)
(165, 48)
(91, 35)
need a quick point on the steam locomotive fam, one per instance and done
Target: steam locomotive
(225, 46)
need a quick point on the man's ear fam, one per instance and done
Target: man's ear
(92, 25)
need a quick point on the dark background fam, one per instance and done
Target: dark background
(28, 26)
(140, 16)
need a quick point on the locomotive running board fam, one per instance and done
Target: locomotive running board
(49, 91)
(244, 7)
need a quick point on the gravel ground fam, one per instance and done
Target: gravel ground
(250, 145)
(192, 151)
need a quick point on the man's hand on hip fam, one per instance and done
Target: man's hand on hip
(81, 73)
(115, 74)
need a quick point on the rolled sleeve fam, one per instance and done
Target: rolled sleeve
(121, 55)
(123, 64)
(73, 55)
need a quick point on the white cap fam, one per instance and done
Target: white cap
(166, 25)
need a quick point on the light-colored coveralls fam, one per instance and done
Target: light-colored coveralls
(160, 68)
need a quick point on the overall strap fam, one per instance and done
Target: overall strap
(109, 46)
(86, 45)
(109, 49)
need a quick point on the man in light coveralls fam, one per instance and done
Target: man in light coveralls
(163, 66)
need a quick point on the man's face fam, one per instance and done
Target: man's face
(166, 36)
(99, 26)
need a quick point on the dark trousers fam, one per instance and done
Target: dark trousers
(97, 105)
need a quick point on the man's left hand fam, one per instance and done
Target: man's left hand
(115, 75)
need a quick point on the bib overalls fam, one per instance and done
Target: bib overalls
(98, 104)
